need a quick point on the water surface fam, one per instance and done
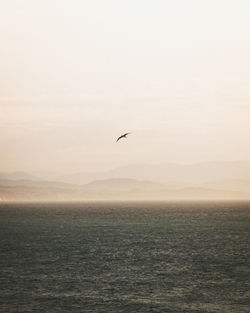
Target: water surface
(125, 257)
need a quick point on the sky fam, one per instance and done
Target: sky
(75, 75)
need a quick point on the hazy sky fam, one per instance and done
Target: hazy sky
(77, 74)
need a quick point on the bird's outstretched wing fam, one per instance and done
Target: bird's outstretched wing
(119, 138)
(122, 136)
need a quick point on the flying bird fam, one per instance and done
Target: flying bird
(122, 136)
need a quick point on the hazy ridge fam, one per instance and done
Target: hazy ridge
(210, 180)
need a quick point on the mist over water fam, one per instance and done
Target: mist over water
(125, 257)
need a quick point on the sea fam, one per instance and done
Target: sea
(125, 257)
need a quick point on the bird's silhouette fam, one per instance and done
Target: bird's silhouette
(122, 136)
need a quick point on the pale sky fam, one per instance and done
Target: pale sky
(77, 74)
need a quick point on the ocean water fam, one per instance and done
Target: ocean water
(125, 257)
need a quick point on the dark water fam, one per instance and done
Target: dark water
(127, 257)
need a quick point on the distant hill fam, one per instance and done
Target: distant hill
(114, 189)
(204, 181)
(17, 176)
(174, 175)
(123, 184)
(230, 184)
(35, 183)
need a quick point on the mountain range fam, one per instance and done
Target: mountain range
(187, 174)
(201, 181)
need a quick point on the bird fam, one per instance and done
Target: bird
(122, 136)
